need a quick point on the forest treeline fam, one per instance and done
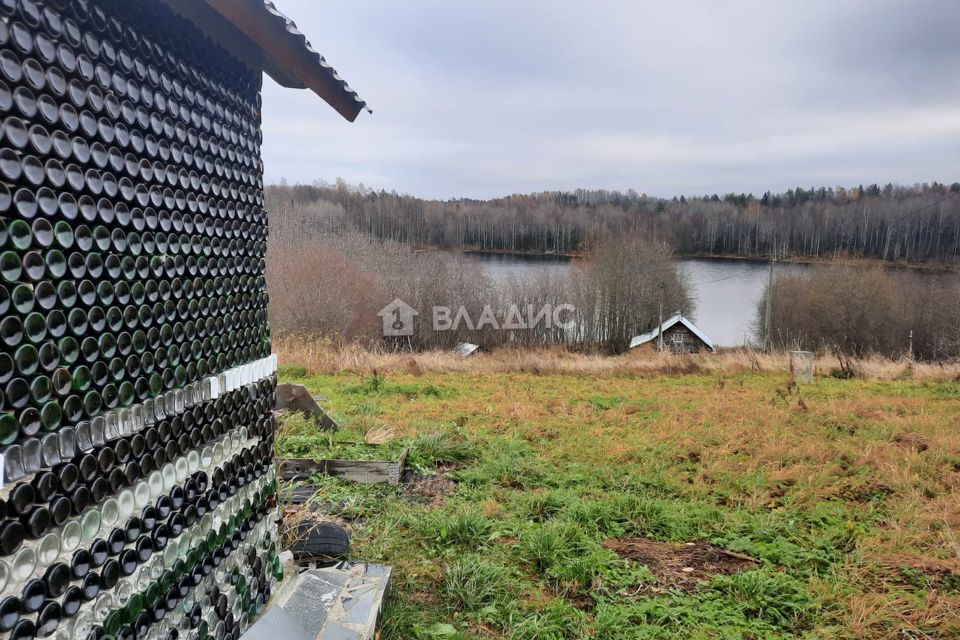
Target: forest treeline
(894, 223)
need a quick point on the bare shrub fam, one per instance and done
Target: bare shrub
(932, 307)
(856, 311)
(317, 289)
(852, 310)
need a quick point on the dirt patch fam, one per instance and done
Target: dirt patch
(681, 566)
(912, 442)
(430, 489)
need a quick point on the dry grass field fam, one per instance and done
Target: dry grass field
(321, 356)
(563, 496)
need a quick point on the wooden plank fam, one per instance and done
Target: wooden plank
(363, 471)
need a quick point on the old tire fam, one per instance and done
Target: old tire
(320, 541)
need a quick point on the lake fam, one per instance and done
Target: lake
(726, 292)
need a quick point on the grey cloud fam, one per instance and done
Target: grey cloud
(487, 98)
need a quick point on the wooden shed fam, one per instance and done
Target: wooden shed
(680, 335)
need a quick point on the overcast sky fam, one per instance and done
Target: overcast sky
(491, 97)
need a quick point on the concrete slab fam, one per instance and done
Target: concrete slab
(342, 602)
(277, 623)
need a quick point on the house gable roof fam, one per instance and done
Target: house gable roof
(655, 333)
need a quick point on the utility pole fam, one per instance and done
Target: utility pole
(660, 328)
(768, 323)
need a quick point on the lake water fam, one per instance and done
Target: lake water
(726, 292)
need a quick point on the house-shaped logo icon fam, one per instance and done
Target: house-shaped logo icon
(397, 318)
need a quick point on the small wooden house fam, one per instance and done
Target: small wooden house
(680, 335)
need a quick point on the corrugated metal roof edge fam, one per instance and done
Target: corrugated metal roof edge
(261, 34)
(291, 27)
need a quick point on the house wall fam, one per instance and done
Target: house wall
(134, 361)
(679, 339)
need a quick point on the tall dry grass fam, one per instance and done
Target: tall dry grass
(323, 356)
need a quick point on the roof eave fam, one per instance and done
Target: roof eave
(693, 329)
(262, 37)
(290, 59)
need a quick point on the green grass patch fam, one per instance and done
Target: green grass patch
(846, 519)
(291, 372)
